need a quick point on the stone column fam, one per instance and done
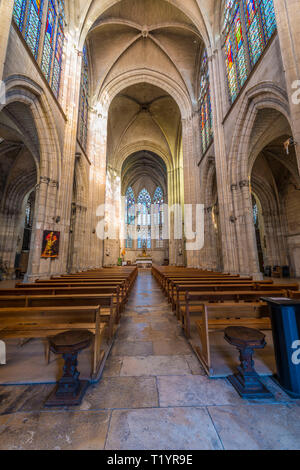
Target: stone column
(71, 90)
(44, 219)
(97, 184)
(6, 12)
(9, 235)
(288, 26)
(113, 211)
(190, 132)
(176, 248)
(248, 256)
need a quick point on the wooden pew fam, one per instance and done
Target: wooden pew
(123, 290)
(108, 309)
(183, 286)
(217, 317)
(161, 274)
(179, 296)
(183, 278)
(53, 291)
(43, 322)
(170, 282)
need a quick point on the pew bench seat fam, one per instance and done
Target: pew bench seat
(217, 317)
(44, 322)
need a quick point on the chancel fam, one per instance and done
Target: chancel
(149, 225)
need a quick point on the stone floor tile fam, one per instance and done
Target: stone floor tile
(258, 427)
(113, 366)
(154, 365)
(131, 348)
(162, 429)
(169, 348)
(24, 398)
(194, 364)
(55, 431)
(122, 392)
(195, 390)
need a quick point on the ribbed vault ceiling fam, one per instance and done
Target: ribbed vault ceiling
(144, 114)
(144, 170)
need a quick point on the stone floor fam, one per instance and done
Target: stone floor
(153, 395)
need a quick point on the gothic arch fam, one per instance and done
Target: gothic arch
(261, 96)
(118, 84)
(23, 89)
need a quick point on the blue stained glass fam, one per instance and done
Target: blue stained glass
(256, 22)
(33, 25)
(130, 207)
(47, 57)
(19, 13)
(58, 59)
(255, 213)
(158, 201)
(130, 216)
(84, 100)
(31, 11)
(205, 106)
(144, 219)
(158, 196)
(269, 20)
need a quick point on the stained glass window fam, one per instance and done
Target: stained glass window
(33, 25)
(268, 18)
(205, 105)
(129, 217)
(49, 35)
(57, 66)
(158, 216)
(247, 28)
(254, 30)
(29, 214)
(144, 220)
(48, 40)
(51, 64)
(255, 214)
(84, 100)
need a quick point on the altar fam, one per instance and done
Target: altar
(144, 262)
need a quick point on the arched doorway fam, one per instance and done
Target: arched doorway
(19, 157)
(275, 187)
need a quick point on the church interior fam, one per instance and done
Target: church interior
(149, 225)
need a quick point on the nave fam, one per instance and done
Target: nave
(153, 394)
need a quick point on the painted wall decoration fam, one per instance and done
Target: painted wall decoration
(50, 245)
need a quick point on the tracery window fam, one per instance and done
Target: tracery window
(29, 213)
(248, 26)
(19, 13)
(84, 100)
(255, 213)
(158, 216)
(33, 25)
(144, 219)
(42, 24)
(129, 217)
(205, 105)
